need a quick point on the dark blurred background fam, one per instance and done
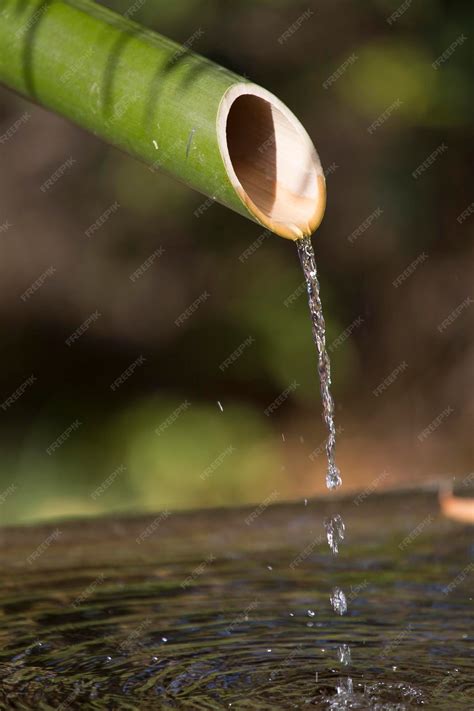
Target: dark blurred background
(221, 447)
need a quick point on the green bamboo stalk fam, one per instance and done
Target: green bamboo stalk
(210, 128)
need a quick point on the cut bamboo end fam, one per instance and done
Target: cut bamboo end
(271, 161)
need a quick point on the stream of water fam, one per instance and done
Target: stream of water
(318, 326)
(334, 524)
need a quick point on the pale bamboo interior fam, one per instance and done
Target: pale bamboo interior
(271, 161)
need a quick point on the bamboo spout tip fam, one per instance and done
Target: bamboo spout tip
(271, 161)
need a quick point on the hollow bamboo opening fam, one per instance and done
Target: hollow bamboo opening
(271, 161)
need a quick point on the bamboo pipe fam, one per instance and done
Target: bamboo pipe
(208, 127)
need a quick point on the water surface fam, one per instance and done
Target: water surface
(209, 612)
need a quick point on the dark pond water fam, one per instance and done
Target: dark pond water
(230, 609)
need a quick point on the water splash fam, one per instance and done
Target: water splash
(344, 654)
(308, 263)
(335, 530)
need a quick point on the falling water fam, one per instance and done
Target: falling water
(334, 525)
(308, 262)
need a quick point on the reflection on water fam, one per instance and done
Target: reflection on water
(207, 611)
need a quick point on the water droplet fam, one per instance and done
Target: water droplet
(164, 639)
(220, 406)
(155, 144)
(338, 601)
(306, 502)
(269, 567)
(269, 650)
(333, 477)
(335, 530)
(344, 654)
(292, 614)
(311, 613)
